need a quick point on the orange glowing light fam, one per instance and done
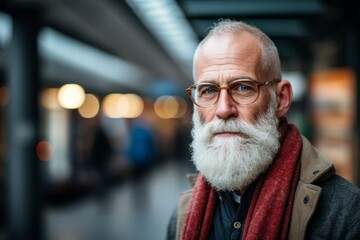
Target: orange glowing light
(44, 151)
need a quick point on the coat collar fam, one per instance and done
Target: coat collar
(314, 166)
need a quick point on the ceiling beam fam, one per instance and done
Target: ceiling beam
(207, 8)
(272, 27)
(116, 29)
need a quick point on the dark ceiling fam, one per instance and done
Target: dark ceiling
(310, 34)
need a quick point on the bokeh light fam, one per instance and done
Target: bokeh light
(136, 105)
(168, 107)
(49, 99)
(182, 107)
(123, 106)
(4, 96)
(44, 151)
(71, 96)
(117, 105)
(91, 106)
(110, 105)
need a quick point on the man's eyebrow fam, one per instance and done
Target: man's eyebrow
(242, 78)
(213, 81)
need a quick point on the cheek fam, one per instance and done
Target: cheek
(249, 115)
(262, 108)
(202, 116)
(254, 111)
(256, 117)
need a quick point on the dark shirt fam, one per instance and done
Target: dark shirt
(229, 216)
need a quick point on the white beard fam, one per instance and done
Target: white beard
(234, 162)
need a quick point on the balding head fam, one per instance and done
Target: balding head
(270, 62)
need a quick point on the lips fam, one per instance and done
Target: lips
(227, 134)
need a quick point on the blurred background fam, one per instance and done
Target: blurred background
(94, 118)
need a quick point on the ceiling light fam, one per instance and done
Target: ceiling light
(168, 24)
(5, 29)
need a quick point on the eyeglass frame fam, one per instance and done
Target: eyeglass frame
(258, 84)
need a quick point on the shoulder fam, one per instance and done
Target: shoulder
(341, 196)
(178, 216)
(338, 211)
(337, 185)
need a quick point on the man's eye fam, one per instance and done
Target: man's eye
(243, 88)
(207, 91)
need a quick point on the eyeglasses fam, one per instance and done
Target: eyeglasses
(242, 91)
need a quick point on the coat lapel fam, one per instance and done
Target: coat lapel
(314, 169)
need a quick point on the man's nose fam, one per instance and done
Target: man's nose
(226, 107)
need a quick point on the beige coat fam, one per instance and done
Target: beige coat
(314, 169)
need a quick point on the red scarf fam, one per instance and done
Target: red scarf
(272, 200)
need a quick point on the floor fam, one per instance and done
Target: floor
(135, 209)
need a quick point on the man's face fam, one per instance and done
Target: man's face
(232, 143)
(222, 60)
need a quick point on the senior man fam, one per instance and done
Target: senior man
(259, 178)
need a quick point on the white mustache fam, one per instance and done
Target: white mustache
(230, 125)
(244, 129)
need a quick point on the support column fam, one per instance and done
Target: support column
(352, 52)
(23, 176)
(356, 66)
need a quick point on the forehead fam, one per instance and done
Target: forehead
(240, 43)
(229, 53)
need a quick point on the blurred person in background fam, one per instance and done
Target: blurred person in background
(259, 178)
(141, 151)
(100, 156)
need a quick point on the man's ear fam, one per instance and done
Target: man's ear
(284, 97)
